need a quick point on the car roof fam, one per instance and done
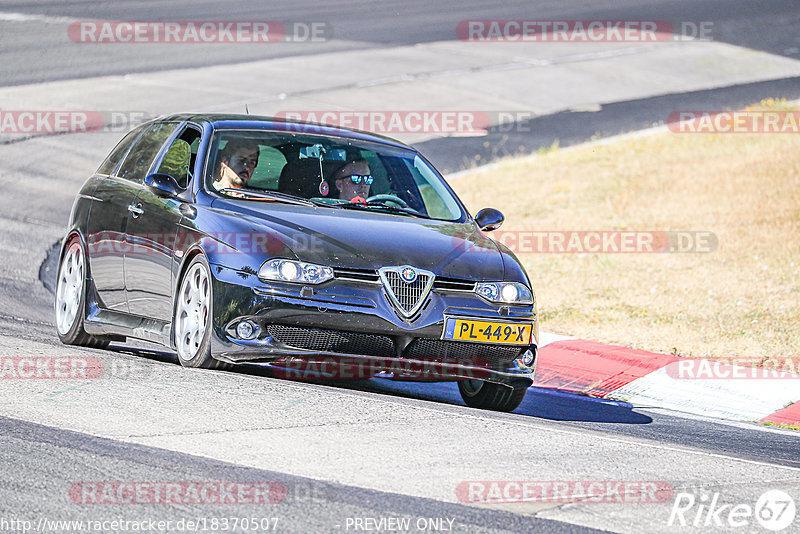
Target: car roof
(223, 121)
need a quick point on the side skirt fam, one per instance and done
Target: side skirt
(118, 325)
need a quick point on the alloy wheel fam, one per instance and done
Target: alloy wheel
(69, 288)
(191, 316)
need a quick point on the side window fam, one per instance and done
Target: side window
(144, 151)
(113, 159)
(178, 160)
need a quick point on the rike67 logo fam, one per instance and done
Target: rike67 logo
(774, 510)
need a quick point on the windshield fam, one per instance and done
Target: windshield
(334, 171)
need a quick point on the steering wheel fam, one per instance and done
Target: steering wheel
(388, 198)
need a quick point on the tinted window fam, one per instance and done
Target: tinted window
(144, 151)
(119, 151)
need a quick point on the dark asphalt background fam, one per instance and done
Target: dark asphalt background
(38, 51)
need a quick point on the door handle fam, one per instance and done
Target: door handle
(135, 210)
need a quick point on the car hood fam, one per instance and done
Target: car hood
(371, 240)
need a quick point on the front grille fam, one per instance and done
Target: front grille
(360, 275)
(369, 275)
(407, 295)
(425, 349)
(332, 340)
(493, 356)
(453, 284)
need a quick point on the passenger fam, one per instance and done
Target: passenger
(353, 181)
(236, 164)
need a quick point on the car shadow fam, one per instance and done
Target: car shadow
(156, 354)
(541, 403)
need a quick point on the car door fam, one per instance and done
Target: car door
(105, 233)
(152, 230)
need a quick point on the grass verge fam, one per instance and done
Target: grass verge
(742, 300)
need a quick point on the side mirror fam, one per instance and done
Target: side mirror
(489, 219)
(163, 185)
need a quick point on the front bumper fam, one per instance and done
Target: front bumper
(348, 329)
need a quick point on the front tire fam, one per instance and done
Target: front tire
(490, 395)
(192, 322)
(70, 301)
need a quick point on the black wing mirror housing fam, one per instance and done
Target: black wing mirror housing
(163, 185)
(489, 219)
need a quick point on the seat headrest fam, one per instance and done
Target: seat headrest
(301, 177)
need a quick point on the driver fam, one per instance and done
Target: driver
(237, 161)
(353, 180)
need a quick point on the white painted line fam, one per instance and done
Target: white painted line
(748, 425)
(6, 16)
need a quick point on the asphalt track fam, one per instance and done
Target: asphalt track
(33, 52)
(375, 449)
(309, 505)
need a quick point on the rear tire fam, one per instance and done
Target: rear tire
(192, 322)
(490, 395)
(70, 298)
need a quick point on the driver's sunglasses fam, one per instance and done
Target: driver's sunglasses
(356, 178)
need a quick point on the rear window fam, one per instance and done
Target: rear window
(145, 151)
(116, 155)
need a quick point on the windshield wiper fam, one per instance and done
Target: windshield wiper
(394, 209)
(269, 195)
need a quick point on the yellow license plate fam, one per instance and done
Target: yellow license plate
(488, 331)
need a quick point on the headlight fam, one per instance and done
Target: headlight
(505, 292)
(294, 271)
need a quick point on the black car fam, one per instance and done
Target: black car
(320, 252)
